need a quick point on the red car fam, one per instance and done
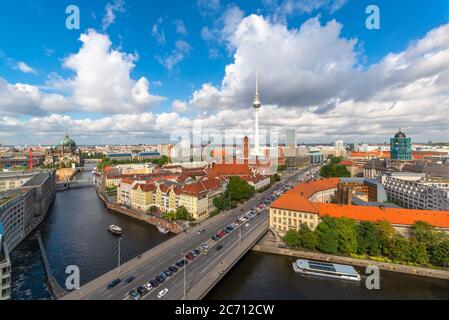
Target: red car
(190, 257)
(221, 234)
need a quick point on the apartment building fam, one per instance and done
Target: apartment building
(5, 269)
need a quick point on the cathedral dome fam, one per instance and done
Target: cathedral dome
(67, 142)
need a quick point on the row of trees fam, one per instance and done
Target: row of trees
(181, 213)
(237, 191)
(424, 246)
(334, 169)
(163, 160)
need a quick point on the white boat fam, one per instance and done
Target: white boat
(115, 229)
(325, 269)
(163, 230)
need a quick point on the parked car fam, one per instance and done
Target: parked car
(180, 264)
(205, 245)
(197, 252)
(134, 295)
(162, 293)
(113, 283)
(219, 247)
(154, 283)
(200, 232)
(215, 238)
(168, 273)
(190, 257)
(148, 286)
(173, 269)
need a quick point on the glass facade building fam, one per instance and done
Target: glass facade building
(401, 147)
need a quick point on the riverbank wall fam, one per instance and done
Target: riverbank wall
(427, 272)
(139, 215)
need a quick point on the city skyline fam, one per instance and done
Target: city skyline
(334, 79)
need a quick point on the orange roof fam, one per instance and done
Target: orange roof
(145, 187)
(297, 199)
(233, 169)
(397, 216)
(346, 163)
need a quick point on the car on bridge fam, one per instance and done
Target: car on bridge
(114, 283)
(219, 247)
(129, 280)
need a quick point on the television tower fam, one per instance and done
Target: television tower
(256, 106)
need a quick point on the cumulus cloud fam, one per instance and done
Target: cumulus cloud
(179, 106)
(112, 8)
(312, 79)
(23, 67)
(102, 83)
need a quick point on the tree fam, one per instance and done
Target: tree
(308, 238)
(292, 239)
(439, 253)
(222, 202)
(386, 233)
(347, 235)
(334, 169)
(327, 236)
(170, 215)
(368, 239)
(398, 248)
(238, 189)
(182, 213)
(417, 252)
(153, 209)
(275, 178)
(424, 233)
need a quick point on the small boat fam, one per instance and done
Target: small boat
(324, 269)
(115, 229)
(163, 230)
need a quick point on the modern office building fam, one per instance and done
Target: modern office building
(401, 147)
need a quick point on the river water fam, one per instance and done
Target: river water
(75, 233)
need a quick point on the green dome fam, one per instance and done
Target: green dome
(67, 142)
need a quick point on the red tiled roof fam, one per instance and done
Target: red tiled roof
(397, 216)
(233, 169)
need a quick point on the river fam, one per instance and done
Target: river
(75, 233)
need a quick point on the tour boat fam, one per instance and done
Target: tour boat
(115, 229)
(324, 269)
(163, 230)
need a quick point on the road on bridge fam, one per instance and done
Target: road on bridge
(158, 259)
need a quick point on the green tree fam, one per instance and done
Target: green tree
(308, 238)
(368, 239)
(275, 178)
(386, 234)
(398, 248)
(222, 202)
(292, 239)
(327, 236)
(439, 253)
(182, 213)
(334, 169)
(153, 209)
(170, 215)
(238, 189)
(417, 251)
(424, 233)
(347, 235)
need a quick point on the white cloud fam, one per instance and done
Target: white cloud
(102, 82)
(312, 80)
(208, 7)
(180, 27)
(158, 32)
(181, 50)
(179, 106)
(118, 6)
(23, 67)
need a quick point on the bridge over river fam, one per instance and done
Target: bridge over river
(196, 279)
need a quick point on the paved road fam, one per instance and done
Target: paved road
(171, 251)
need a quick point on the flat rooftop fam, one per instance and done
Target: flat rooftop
(37, 180)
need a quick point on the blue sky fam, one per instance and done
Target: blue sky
(179, 46)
